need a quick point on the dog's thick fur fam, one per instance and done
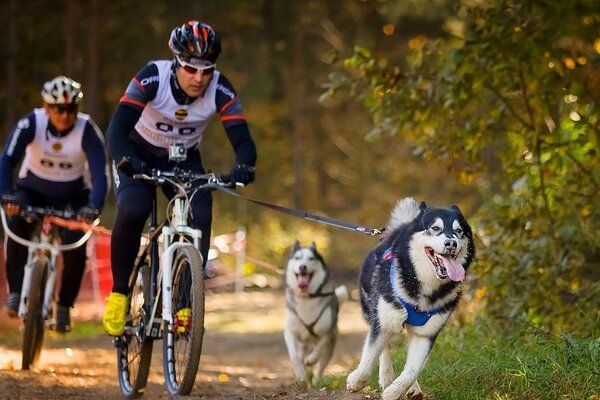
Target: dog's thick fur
(420, 264)
(311, 313)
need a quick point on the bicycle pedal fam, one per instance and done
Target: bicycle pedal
(119, 342)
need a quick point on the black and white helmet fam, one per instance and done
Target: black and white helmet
(195, 40)
(62, 90)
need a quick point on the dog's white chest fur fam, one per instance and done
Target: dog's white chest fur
(310, 318)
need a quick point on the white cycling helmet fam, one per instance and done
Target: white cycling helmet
(62, 90)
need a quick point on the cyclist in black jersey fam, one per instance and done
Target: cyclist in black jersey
(169, 102)
(59, 149)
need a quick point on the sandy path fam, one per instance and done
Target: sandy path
(244, 357)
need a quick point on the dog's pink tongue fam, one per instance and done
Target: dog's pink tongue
(303, 281)
(456, 272)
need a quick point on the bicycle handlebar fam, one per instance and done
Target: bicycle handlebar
(56, 217)
(36, 212)
(79, 225)
(185, 176)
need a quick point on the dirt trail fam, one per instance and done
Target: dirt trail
(244, 357)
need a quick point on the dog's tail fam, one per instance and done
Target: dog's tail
(342, 294)
(405, 211)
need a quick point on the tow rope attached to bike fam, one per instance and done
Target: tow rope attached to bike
(306, 215)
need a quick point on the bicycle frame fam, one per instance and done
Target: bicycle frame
(160, 266)
(47, 248)
(166, 298)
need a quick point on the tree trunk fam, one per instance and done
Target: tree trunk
(298, 94)
(71, 35)
(11, 67)
(91, 90)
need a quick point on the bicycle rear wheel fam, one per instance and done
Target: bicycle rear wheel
(33, 335)
(182, 340)
(134, 349)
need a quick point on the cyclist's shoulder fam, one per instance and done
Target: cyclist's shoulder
(28, 121)
(24, 130)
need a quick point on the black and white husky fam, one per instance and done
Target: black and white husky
(311, 314)
(413, 278)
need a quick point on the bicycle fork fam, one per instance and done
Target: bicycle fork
(32, 259)
(166, 261)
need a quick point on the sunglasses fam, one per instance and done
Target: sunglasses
(62, 108)
(205, 67)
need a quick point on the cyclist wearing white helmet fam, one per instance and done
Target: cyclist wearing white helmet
(60, 150)
(169, 102)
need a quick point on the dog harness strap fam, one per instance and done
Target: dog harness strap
(415, 317)
(309, 327)
(307, 215)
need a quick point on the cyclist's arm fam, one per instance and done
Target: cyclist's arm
(141, 89)
(233, 120)
(14, 150)
(95, 152)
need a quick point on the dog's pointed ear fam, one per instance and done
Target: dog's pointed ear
(455, 207)
(422, 206)
(313, 246)
(296, 247)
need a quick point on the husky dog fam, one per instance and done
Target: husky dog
(311, 313)
(413, 278)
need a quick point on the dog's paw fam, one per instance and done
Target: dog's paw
(414, 393)
(391, 393)
(396, 392)
(311, 359)
(356, 381)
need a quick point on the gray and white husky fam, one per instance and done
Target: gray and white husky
(311, 314)
(413, 278)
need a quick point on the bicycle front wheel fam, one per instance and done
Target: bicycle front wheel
(182, 340)
(33, 335)
(134, 348)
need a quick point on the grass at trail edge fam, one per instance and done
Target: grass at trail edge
(479, 361)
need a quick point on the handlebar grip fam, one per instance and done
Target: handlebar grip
(225, 181)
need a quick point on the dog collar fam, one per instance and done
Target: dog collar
(415, 316)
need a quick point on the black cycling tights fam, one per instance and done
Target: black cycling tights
(134, 204)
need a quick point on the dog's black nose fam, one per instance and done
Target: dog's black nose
(303, 268)
(450, 244)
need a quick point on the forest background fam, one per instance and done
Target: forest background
(491, 105)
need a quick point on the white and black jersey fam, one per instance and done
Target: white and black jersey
(56, 164)
(155, 109)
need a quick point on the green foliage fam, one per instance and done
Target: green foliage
(508, 101)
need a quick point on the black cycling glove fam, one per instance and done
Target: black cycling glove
(9, 199)
(88, 214)
(131, 165)
(242, 173)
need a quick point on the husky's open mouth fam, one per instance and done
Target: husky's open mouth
(445, 265)
(303, 279)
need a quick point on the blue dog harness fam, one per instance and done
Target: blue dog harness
(415, 317)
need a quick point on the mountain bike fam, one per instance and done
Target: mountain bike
(166, 292)
(38, 301)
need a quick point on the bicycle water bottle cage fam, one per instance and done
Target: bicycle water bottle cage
(178, 217)
(177, 152)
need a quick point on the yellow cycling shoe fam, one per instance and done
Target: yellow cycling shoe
(184, 317)
(114, 315)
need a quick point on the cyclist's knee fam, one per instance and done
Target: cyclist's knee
(134, 204)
